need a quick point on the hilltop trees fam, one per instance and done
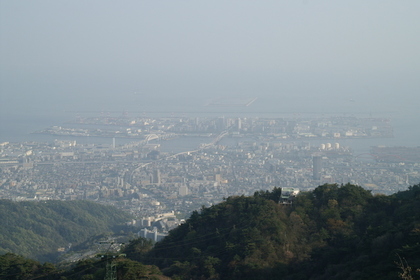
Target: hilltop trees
(240, 237)
(37, 229)
(13, 266)
(333, 232)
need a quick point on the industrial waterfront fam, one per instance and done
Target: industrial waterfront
(171, 164)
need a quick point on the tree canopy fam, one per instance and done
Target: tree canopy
(332, 232)
(38, 229)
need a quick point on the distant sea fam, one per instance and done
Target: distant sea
(17, 126)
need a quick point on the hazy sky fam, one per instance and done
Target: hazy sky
(100, 54)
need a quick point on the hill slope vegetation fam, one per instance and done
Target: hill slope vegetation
(333, 232)
(38, 229)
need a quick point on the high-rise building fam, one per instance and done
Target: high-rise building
(221, 123)
(239, 124)
(155, 178)
(183, 190)
(317, 167)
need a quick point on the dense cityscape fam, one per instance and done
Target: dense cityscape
(262, 153)
(215, 140)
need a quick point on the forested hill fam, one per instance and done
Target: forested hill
(38, 229)
(333, 232)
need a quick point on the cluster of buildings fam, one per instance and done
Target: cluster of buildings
(284, 128)
(157, 227)
(148, 182)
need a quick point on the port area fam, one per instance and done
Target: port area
(280, 128)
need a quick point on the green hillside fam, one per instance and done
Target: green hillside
(15, 267)
(38, 229)
(333, 232)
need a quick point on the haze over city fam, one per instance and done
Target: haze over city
(67, 62)
(353, 56)
(256, 139)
